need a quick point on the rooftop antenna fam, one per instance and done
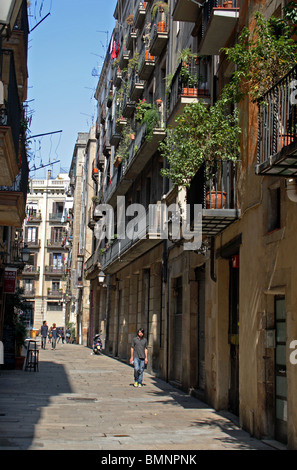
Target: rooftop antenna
(91, 116)
(105, 32)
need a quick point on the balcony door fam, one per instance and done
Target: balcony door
(177, 335)
(280, 371)
(234, 338)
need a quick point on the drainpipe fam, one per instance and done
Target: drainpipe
(212, 259)
(291, 190)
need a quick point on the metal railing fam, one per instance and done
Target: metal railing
(210, 5)
(215, 186)
(277, 117)
(120, 246)
(189, 80)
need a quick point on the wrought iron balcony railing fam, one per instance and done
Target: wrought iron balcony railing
(277, 129)
(190, 83)
(215, 188)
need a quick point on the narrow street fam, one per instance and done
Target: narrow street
(79, 401)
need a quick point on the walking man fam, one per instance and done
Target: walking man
(43, 333)
(139, 356)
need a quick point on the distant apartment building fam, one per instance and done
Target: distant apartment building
(83, 180)
(46, 234)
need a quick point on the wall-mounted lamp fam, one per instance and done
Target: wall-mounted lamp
(101, 277)
(25, 252)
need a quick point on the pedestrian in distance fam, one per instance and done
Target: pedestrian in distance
(68, 334)
(43, 333)
(139, 356)
(62, 335)
(54, 336)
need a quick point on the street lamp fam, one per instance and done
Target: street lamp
(101, 277)
(25, 252)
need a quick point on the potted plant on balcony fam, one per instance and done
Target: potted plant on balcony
(188, 79)
(163, 9)
(147, 114)
(201, 136)
(263, 56)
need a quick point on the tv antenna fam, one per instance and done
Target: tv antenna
(105, 32)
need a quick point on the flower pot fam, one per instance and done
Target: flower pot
(162, 26)
(190, 92)
(215, 199)
(19, 362)
(148, 56)
(228, 4)
(285, 140)
(117, 162)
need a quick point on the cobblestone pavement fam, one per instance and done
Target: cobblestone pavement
(80, 401)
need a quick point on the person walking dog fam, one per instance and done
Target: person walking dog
(139, 356)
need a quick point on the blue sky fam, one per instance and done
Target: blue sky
(64, 51)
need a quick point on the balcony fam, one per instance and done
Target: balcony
(139, 153)
(100, 159)
(54, 270)
(106, 146)
(120, 124)
(32, 243)
(31, 271)
(146, 64)
(139, 14)
(13, 197)
(124, 58)
(56, 217)
(10, 120)
(18, 43)
(136, 88)
(128, 107)
(215, 188)
(118, 78)
(185, 10)
(55, 293)
(218, 22)
(135, 244)
(187, 88)
(131, 36)
(159, 34)
(55, 243)
(115, 135)
(277, 130)
(29, 293)
(95, 172)
(92, 219)
(33, 217)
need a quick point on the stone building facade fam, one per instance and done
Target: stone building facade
(221, 319)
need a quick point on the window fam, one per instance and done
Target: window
(28, 286)
(274, 209)
(55, 286)
(51, 306)
(31, 234)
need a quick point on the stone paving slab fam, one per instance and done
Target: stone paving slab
(77, 401)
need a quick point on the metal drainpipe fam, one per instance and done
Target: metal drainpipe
(212, 260)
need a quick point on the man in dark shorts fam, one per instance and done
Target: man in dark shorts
(139, 356)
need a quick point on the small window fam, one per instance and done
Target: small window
(274, 209)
